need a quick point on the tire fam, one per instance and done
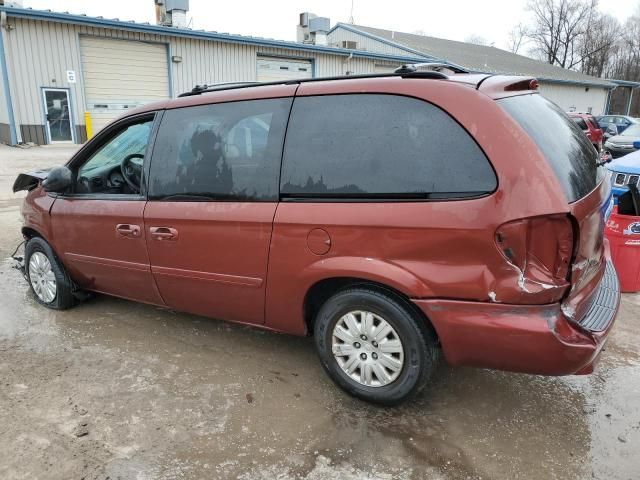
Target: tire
(63, 297)
(418, 344)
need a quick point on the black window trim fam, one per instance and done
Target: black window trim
(422, 197)
(97, 142)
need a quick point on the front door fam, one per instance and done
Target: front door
(57, 114)
(213, 192)
(99, 227)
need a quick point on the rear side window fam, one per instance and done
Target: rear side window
(380, 146)
(226, 151)
(564, 145)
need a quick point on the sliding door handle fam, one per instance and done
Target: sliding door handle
(128, 230)
(163, 233)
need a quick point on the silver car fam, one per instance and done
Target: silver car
(622, 144)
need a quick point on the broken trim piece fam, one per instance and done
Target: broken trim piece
(30, 180)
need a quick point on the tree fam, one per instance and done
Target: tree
(477, 40)
(558, 27)
(517, 37)
(598, 44)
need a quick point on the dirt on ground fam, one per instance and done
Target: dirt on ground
(118, 390)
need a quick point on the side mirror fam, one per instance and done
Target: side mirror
(612, 130)
(58, 180)
(636, 144)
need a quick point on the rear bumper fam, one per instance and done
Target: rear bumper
(535, 339)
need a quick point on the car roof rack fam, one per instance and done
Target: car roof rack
(413, 67)
(200, 89)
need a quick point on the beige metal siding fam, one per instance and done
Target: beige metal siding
(386, 68)
(576, 97)
(120, 75)
(4, 112)
(336, 38)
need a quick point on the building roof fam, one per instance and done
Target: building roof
(478, 58)
(66, 17)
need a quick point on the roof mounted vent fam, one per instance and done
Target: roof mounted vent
(172, 13)
(313, 29)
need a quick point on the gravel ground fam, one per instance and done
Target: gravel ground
(118, 390)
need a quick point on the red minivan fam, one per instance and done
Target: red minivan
(393, 217)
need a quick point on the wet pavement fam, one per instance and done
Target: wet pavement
(114, 389)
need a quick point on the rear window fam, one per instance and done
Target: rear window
(632, 131)
(580, 122)
(564, 145)
(380, 146)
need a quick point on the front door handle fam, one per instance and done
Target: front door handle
(128, 230)
(164, 233)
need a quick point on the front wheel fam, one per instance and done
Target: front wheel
(374, 346)
(47, 278)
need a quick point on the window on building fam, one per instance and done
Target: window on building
(228, 151)
(380, 146)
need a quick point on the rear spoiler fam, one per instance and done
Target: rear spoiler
(30, 180)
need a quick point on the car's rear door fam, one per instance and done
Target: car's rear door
(213, 193)
(98, 228)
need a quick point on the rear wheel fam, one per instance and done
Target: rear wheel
(374, 346)
(48, 280)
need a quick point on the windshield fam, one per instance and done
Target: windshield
(564, 145)
(632, 131)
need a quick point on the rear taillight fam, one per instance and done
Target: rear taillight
(539, 250)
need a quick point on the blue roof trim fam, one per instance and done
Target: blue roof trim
(625, 83)
(399, 46)
(200, 34)
(576, 82)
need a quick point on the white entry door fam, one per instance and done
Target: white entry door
(59, 125)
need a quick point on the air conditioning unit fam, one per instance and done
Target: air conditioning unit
(350, 44)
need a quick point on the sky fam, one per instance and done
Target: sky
(454, 20)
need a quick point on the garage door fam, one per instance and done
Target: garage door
(120, 75)
(277, 69)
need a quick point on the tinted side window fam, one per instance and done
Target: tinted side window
(226, 151)
(363, 145)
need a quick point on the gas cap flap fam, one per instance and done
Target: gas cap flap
(319, 241)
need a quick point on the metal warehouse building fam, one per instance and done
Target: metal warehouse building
(58, 69)
(57, 66)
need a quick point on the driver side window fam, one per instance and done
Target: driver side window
(116, 167)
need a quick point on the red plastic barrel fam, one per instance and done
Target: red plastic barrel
(623, 233)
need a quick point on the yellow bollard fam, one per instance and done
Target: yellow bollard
(87, 125)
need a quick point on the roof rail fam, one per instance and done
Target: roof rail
(200, 89)
(413, 67)
(216, 86)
